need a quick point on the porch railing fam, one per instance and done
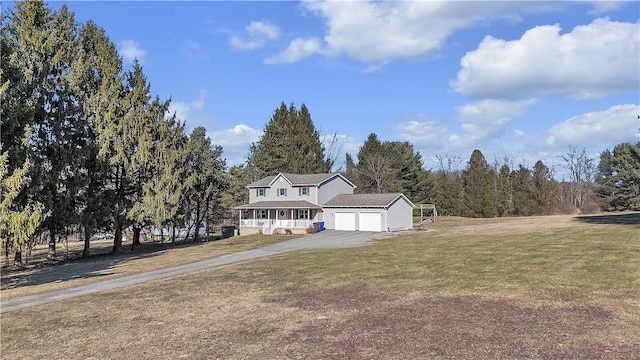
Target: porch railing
(269, 226)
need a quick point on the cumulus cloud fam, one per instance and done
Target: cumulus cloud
(259, 33)
(588, 62)
(425, 134)
(298, 49)
(488, 118)
(183, 109)
(597, 128)
(379, 31)
(131, 50)
(236, 142)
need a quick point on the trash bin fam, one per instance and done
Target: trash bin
(321, 225)
(316, 227)
(228, 231)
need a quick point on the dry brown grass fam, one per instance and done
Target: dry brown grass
(572, 292)
(147, 258)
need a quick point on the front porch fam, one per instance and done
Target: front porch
(284, 216)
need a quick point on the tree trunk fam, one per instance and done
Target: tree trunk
(173, 236)
(136, 236)
(117, 240)
(52, 244)
(196, 235)
(87, 242)
(17, 259)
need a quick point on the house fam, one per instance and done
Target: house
(293, 202)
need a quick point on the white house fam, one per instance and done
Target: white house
(295, 201)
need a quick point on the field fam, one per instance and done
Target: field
(536, 288)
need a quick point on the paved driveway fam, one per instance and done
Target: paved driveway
(328, 239)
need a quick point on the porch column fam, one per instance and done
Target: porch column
(254, 217)
(239, 218)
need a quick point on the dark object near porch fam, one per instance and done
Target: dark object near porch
(318, 226)
(321, 225)
(228, 231)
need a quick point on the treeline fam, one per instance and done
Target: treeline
(501, 188)
(85, 146)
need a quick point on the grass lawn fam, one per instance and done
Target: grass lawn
(539, 287)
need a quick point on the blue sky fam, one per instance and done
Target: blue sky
(511, 78)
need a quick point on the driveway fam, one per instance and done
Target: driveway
(328, 239)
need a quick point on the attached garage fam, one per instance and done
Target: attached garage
(370, 221)
(368, 212)
(345, 221)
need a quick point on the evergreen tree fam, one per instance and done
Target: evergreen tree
(204, 180)
(618, 177)
(524, 192)
(47, 44)
(504, 191)
(544, 189)
(290, 143)
(350, 169)
(411, 177)
(478, 187)
(18, 221)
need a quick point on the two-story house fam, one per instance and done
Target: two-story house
(295, 201)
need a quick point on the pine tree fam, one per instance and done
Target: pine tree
(523, 192)
(18, 221)
(478, 187)
(204, 180)
(618, 177)
(290, 143)
(544, 189)
(504, 191)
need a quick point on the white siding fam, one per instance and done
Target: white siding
(400, 215)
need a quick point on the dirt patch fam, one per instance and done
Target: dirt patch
(362, 324)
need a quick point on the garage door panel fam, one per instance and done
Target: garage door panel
(370, 222)
(345, 221)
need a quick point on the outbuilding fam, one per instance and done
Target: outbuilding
(368, 212)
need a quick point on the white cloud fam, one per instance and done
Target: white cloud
(380, 31)
(263, 29)
(182, 109)
(131, 50)
(298, 49)
(194, 50)
(260, 32)
(488, 118)
(424, 134)
(235, 142)
(589, 62)
(594, 129)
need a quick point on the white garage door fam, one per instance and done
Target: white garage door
(370, 222)
(346, 221)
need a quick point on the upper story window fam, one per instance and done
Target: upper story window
(303, 191)
(261, 192)
(282, 192)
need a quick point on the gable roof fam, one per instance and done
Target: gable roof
(366, 200)
(299, 180)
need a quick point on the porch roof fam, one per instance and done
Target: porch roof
(293, 204)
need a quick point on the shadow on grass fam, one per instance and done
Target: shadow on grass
(83, 268)
(615, 219)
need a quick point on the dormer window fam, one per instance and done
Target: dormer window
(303, 191)
(261, 192)
(282, 192)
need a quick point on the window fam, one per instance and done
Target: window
(282, 192)
(261, 214)
(303, 191)
(303, 214)
(261, 192)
